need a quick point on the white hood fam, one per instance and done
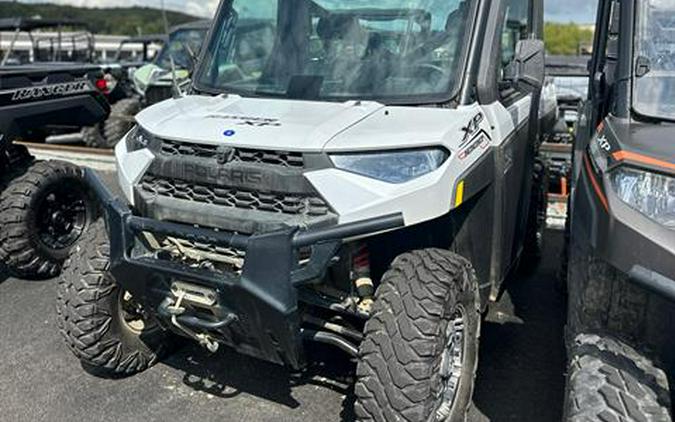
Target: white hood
(307, 126)
(252, 122)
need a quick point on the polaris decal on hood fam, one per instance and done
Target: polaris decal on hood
(248, 121)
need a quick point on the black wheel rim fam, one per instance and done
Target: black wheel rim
(452, 364)
(62, 216)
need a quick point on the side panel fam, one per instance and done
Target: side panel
(516, 152)
(512, 158)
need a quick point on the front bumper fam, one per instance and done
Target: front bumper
(264, 298)
(622, 237)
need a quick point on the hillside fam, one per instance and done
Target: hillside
(567, 38)
(118, 21)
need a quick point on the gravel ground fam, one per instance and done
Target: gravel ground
(521, 370)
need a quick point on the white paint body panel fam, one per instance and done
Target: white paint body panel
(130, 167)
(334, 127)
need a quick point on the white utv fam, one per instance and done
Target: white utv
(356, 173)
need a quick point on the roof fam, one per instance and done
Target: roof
(31, 24)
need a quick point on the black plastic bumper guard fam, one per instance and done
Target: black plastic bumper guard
(264, 298)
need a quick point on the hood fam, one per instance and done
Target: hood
(647, 139)
(253, 122)
(306, 126)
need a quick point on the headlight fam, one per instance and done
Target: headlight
(139, 138)
(392, 167)
(650, 193)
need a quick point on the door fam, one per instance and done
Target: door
(519, 147)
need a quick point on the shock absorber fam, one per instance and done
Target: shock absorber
(361, 276)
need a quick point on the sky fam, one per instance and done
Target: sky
(581, 11)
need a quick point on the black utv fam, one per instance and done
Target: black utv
(45, 206)
(621, 278)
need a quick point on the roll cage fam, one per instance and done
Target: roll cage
(202, 25)
(75, 46)
(145, 41)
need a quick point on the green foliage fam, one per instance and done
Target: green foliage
(566, 38)
(118, 21)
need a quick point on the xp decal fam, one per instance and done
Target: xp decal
(471, 128)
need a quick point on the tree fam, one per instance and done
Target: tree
(566, 38)
(117, 21)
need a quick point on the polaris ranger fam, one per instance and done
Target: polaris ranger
(353, 175)
(44, 206)
(154, 82)
(621, 278)
(148, 45)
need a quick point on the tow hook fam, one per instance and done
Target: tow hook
(173, 310)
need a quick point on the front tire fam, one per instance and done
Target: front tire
(609, 381)
(43, 213)
(419, 355)
(94, 318)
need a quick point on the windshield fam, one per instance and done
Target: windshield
(654, 87)
(182, 44)
(337, 49)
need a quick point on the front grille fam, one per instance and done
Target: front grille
(239, 155)
(278, 203)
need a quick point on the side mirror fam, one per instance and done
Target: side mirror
(526, 71)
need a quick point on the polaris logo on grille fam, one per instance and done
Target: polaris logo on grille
(222, 174)
(58, 90)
